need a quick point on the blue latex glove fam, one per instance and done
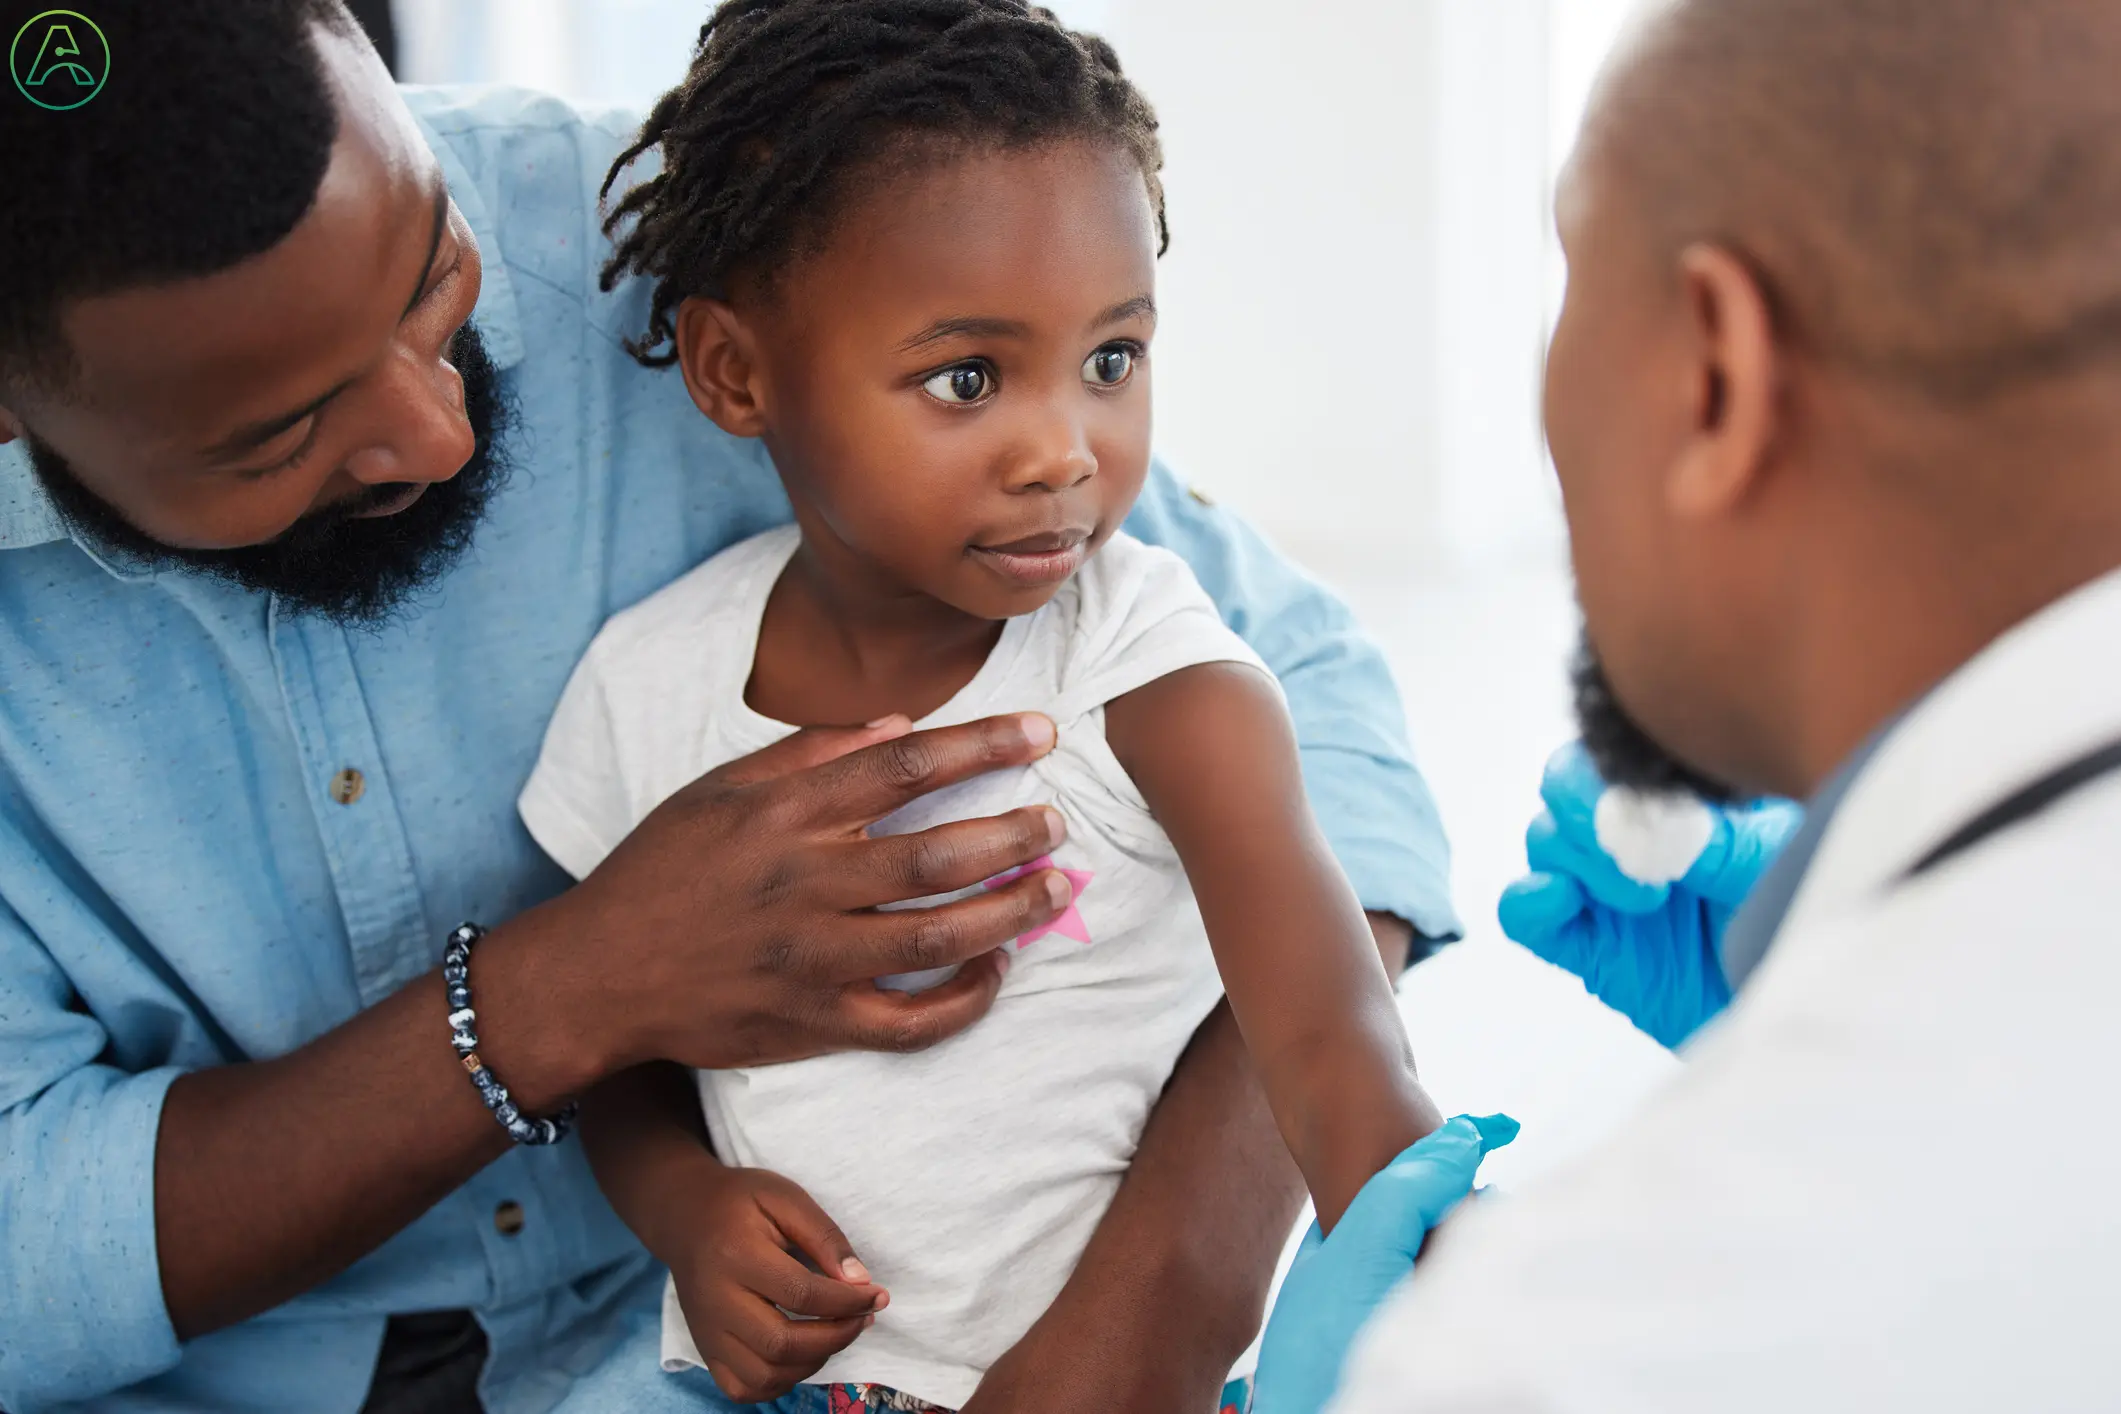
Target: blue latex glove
(1648, 942)
(1338, 1281)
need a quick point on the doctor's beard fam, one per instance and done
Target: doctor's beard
(1626, 754)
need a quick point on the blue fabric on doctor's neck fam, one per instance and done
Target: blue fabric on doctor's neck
(1751, 933)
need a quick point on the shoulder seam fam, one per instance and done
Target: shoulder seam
(580, 301)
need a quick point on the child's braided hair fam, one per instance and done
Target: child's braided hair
(788, 101)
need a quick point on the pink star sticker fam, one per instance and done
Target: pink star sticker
(1069, 924)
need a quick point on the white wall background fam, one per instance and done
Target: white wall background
(1354, 309)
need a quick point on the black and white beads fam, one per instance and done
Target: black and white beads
(464, 1036)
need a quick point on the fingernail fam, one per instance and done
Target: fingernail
(881, 722)
(1056, 828)
(1001, 961)
(1057, 891)
(854, 1271)
(883, 1299)
(1038, 730)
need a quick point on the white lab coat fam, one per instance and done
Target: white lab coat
(1890, 1177)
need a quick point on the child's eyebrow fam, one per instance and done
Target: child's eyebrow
(964, 327)
(1140, 307)
(973, 326)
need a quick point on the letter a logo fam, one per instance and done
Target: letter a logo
(59, 60)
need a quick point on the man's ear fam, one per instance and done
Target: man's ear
(717, 354)
(10, 427)
(1736, 376)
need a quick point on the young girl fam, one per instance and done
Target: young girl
(910, 245)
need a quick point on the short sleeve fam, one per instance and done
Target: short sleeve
(576, 803)
(1140, 615)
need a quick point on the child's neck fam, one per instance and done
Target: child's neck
(838, 646)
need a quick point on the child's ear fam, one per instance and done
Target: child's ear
(716, 353)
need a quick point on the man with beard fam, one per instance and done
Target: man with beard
(324, 462)
(1835, 399)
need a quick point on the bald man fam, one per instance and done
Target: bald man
(1836, 405)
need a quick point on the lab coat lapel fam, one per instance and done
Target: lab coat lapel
(2046, 691)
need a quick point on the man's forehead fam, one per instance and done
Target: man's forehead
(370, 108)
(273, 332)
(1569, 196)
(1593, 202)
(283, 327)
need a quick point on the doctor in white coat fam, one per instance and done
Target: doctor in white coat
(1836, 404)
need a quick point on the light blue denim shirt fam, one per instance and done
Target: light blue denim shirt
(179, 889)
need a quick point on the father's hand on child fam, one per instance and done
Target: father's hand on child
(738, 924)
(1633, 893)
(763, 1319)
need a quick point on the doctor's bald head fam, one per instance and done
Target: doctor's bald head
(1929, 189)
(1836, 392)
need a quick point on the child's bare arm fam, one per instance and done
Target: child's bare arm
(1213, 753)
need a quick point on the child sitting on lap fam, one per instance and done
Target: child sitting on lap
(911, 245)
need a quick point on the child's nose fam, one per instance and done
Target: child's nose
(1054, 457)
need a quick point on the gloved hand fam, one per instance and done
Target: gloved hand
(1338, 1281)
(1632, 892)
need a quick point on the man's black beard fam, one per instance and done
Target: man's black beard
(334, 562)
(1624, 753)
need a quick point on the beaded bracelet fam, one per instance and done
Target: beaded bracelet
(456, 976)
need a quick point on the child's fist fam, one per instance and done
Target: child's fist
(770, 1288)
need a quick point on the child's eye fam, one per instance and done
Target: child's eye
(964, 383)
(1110, 366)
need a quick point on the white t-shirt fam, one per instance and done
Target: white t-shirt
(1888, 1177)
(969, 1178)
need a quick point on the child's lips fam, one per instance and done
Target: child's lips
(1037, 560)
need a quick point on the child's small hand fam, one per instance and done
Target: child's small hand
(762, 1319)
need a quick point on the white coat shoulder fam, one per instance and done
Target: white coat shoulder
(1886, 1180)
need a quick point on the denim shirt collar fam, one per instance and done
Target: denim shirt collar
(27, 516)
